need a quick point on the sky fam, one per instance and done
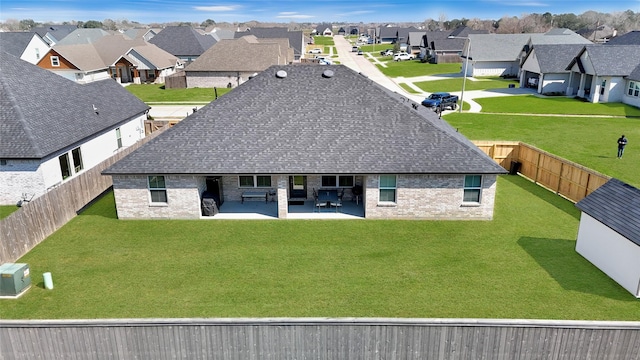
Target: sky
(350, 11)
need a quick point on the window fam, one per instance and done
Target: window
(338, 181)
(472, 188)
(119, 138)
(254, 181)
(37, 53)
(77, 160)
(55, 61)
(157, 189)
(634, 88)
(65, 168)
(387, 188)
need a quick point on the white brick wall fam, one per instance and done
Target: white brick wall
(201, 79)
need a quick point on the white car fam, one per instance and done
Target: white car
(315, 51)
(402, 56)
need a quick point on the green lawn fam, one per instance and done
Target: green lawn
(323, 40)
(156, 93)
(521, 265)
(455, 84)
(6, 210)
(554, 105)
(414, 68)
(589, 141)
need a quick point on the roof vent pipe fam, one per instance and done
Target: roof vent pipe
(327, 74)
(281, 74)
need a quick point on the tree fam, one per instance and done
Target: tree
(27, 24)
(92, 24)
(109, 24)
(207, 23)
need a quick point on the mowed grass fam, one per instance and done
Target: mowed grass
(554, 105)
(588, 141)
(413, 68)
(156, 93)
(6, 210)
(323, 40)
(520, 265)
(455, 84)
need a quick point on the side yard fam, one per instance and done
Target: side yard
(521, 265)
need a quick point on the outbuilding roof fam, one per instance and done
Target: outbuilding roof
(616, 205)
(309, 119)
(42, 112)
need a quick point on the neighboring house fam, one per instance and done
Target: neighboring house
(222, 34)
(27, 46)
(609, 232)
(144, 33)
(394, 34)
(83, 36)
(441, 46)
(230, 63)
(324, 29)
(545, 68)
(51, 34)
(52, 128)
(272, 135)
(183, 42)
(502, 54)
(630, 38)
(296, 38)
(601, 34)
(595, 77)
(111, 56)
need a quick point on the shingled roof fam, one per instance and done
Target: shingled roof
(627, 58)
(616, 205)
(296, 38)
(247, 54)
(554, 58)
(16, 42)
(182, 41)
(42, 113)
(630, 38)
(306, 119)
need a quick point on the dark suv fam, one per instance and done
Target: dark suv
(440, 101)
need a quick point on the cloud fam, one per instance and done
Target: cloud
(293, 15)
(217, 8)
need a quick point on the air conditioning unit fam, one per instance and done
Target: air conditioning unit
(14, 279)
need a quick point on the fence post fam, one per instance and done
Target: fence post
(560, 178)
(537, 168)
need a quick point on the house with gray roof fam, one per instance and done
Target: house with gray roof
(230, 63)
(544, 68)
(630, 38)
(296, 38)
(83, 36)
(111, 56)
(502, 54)
(598, 79)
(145, 33)
(28, 46)
(51, 34)
(183, 42)
(53, 129)
(609, 232)
(323, 29)
(388, 157)
(441, 46)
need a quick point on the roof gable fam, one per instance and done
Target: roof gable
(627, 58)
(274, 124)
(616, 205)
(245, 54)
(555, 58)
(42, 113)
(295, 37)
(15, 43)
(182, 41)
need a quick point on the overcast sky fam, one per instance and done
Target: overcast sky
(147, 11)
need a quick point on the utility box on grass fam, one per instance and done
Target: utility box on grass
(14, 279)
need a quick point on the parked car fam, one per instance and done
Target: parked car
(325, 62)
(315, 51)
(360, 52)
(354, 49)
(388, 52)
(440, 101)
(403, 56)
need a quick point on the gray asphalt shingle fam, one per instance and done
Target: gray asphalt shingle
(617, 206)
(42, 113)
(182, 41)
(15, 43)
(309, 123)
(296, 38)
(627, 58)
(555, 58)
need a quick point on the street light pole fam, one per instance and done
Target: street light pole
(464, 78)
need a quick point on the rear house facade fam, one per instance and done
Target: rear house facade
(394, 157)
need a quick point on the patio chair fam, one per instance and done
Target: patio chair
(317, 204)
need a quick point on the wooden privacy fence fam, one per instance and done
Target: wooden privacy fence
(313, 338)
(566, 178)
(22, 230)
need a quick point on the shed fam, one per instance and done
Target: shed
(609, 232)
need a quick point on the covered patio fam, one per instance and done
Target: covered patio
(256, 210)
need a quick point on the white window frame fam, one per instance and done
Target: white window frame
(157, 188)
(337, 181)
(394, 188)
(80, 166)
(55, 61)
(254, 181)
(65, 157)
(633, 89)
(119, 138)
(473, 188)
